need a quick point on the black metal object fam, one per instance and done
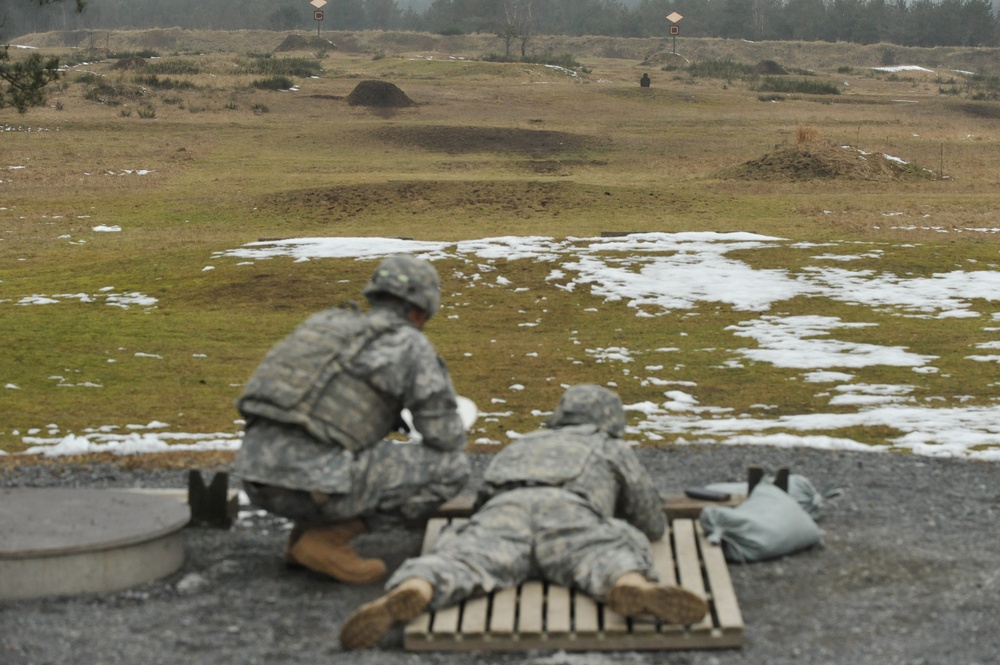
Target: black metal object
(755, 474)
(210, 505)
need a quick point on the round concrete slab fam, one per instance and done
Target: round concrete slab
(71, 541)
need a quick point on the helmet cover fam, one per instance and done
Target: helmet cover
(407, 278)
(590, 404)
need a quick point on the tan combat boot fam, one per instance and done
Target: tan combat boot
(293, 537)
(633, 594)
(373, 620)
(327, 549)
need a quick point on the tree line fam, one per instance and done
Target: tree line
(924, 23)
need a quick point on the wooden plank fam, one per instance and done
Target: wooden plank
(681, 506)
(503, 613)
(723, 597)
(689, 567)
(663, 559)
(434, 527)
(475, 614)
(531, 610)
(445, 624)
(614, 624)
(558, 607)
(586, 616)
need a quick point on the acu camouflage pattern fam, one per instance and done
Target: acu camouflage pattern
(535, 533)
(302, 380)
(387, 484)
(408, 278)
(589, 403)
(362, 397)
(572, 506)
(584, 461)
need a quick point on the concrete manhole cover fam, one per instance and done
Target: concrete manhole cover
(71, 541)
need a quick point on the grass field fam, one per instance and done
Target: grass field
(121, 200)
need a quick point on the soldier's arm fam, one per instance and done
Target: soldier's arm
(640, 502)
(432, 402)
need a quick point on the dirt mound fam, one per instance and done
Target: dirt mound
(134, 62)
(770, 68)
(806, 161)
(380, 94)
(304, 43)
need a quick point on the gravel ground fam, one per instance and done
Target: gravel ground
(906, 574)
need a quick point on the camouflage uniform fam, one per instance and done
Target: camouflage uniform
(320, 405)
(572, 506)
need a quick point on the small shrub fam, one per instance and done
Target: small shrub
(88, 78)
(155, 82)
(802, 86)
(451, 31)
(722, 69)
(125, 113)
(805, 134)
(231, 106)
(146, 111)
(301, 67)
(845, 69)
(112, 94)
(771, 98)
(565, 60)
(143, 53)
(259, 108)
(984, 88)
(176, 67)
(273, 83)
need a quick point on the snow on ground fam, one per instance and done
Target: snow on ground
(655, 273)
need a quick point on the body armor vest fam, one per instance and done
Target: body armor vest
(303, 381)
(550, 459)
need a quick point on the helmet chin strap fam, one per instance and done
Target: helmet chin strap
(417, 317)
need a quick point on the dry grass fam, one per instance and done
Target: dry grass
(489, 149)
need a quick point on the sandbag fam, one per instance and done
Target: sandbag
(769, 524)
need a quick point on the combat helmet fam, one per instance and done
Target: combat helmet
(590, 404)
(408, 278)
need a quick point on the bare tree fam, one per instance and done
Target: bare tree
(516, 24)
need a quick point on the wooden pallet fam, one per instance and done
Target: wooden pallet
(538, 615)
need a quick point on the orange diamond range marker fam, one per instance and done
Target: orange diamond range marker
(317, 3)
(673, 17)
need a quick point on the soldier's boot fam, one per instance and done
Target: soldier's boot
(373, 620)
(633, 594)
(293, 537)
(327, 550)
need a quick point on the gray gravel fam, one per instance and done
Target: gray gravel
(909, 572)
